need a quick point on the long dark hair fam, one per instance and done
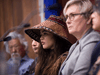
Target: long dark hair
(47, 58)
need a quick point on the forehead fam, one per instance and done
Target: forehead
(14, 42)
(72, 9)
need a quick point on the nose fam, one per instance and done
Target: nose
(92, 15)
(34, 43)
(41, 38)
(14, 50)
(68, 21)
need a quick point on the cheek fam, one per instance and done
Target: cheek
(96, 24)
(32, 46)
(21, 51)
(49, 44)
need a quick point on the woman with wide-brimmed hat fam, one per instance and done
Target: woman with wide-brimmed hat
(54, 36)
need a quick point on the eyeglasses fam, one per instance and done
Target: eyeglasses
(72, 16)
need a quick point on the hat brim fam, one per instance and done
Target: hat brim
(34, 34)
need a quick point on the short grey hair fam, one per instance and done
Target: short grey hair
(85, 6)
(21, 38)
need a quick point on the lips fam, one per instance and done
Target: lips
(69, 27)
(35, 48)
(42, 43)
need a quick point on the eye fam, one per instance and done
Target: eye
(72, 15)
(16, 46)
(45, 33)
(10, 47)
(66, 17)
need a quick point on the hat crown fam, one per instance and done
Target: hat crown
(56, 25)
(58, 19)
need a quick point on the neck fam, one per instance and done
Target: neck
(80, 34)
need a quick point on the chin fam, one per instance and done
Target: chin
(45, 47)
(70, 32)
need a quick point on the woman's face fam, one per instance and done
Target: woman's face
(96, 21)
(47, 40)
(76, 23)
(36, 46)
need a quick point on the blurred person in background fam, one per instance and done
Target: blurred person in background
(17, 47)
(78, 21)
(36, 46)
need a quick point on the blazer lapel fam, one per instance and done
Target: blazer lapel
(70, 52)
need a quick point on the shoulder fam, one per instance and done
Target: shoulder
(9, 60)
(62, 57)
(24, 67)
(92, 37)
(30, 60)
(27, 59)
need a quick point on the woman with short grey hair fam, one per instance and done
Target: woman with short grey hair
(85, 6)
(78, 21)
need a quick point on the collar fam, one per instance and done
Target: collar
(25, 58)
(86, 34)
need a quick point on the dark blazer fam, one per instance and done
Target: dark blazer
(95, 55)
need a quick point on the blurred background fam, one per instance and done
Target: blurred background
(14, 13)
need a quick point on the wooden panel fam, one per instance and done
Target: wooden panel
(6, 20)
(17, 12)
(6, 17)
(1, 23)
(27, 9)
(30, 15)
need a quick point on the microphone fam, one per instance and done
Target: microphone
(18, 29)
(6, 39)
(26, 25)
(23, 26)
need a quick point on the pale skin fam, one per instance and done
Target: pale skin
(35, 46)
(47, 40)
(16, 47)
(78, 26)
(96, 21)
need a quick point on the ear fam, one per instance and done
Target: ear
(89, 21)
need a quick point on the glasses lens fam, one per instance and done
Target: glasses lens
(71, 16)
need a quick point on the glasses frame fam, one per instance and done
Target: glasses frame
(72, 16)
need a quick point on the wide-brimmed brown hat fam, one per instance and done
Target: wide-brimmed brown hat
(54, 24)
